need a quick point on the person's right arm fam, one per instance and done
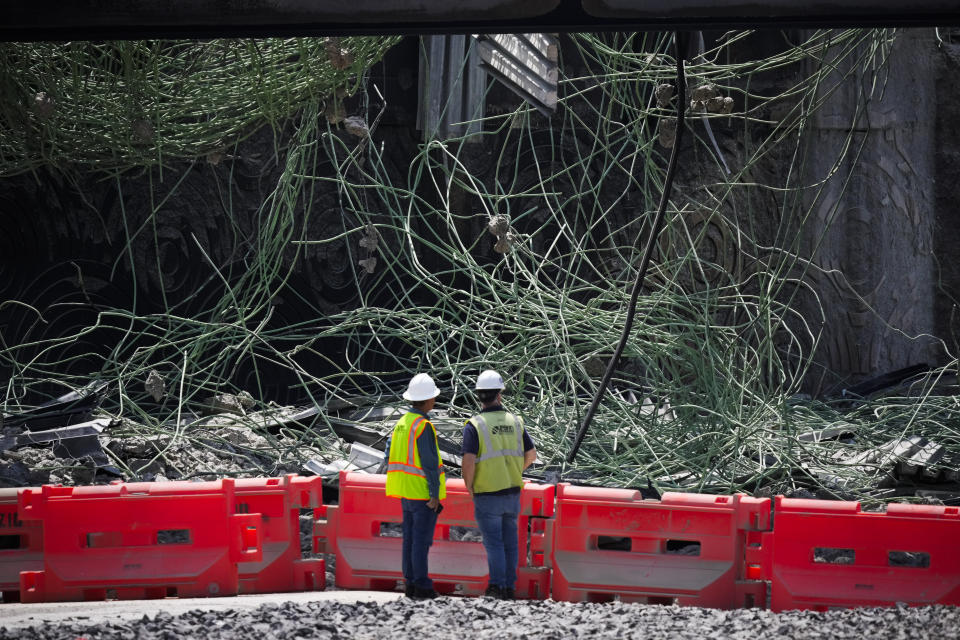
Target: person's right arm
(469, 452)
(430, 462)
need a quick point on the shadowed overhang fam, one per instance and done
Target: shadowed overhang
(134, 19)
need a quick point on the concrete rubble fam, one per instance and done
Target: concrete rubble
(69, 441)
(484, 618)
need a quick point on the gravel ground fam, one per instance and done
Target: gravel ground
(481, 618)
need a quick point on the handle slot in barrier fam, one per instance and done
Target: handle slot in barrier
(824, 555)
(9, 542)
(909, 559)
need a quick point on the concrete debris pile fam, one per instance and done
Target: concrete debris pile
(71, 408)
(62, 429)
(372, 425)
(361, 458)
(228, 440)
(905, 466)
(71, 441)
(831, 462)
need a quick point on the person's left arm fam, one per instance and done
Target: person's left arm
(529, 451)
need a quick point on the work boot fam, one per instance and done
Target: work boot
(493, 591)
(420, 593)
(409, 590)
(506, 593)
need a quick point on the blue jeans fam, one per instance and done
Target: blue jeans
(419, 522)
(497, 518)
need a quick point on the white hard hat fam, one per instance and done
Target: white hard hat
(489, 379)
(421, 387)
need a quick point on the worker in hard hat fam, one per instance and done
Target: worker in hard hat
(415, 475)
(496, 451)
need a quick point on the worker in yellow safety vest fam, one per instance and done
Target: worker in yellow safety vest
(496, 451)
(415, 475)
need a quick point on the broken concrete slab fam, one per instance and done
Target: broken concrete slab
(376, 432)
(367, 459)
(71, 408)
(328, 469)
(61, 434)
(950, 498)
(155, 386)
(834, 432)
(885, 381)
(362, 459)
(271, 420)
(898, 468)
(375, 414)
(888, 454)
(922, 460)
(350, 431)
(229, 403)
(79, 442)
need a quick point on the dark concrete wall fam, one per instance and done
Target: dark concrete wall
(945, 56)
(871, 233)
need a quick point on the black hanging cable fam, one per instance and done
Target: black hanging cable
(644, 263)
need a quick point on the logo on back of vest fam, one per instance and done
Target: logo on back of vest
(501, 428)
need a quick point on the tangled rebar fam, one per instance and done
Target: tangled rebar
(512, 250)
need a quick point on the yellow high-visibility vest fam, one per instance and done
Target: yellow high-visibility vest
(405, 476)
(500, 457)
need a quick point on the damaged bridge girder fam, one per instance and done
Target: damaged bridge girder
(135, 19)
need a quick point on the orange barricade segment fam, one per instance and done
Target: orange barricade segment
(366, 529)
(138, 541)
(689, 549)
(825, 554)
(279, 502)
(263, 542)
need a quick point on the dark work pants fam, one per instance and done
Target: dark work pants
(419, 522)
(497, 518)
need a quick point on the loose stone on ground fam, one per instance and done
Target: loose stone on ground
(482, 618)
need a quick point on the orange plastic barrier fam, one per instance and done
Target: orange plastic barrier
(21, 546)
(142, 540)
(364, 533)
(149, 540)
(824, 554)
(688, 549)
(279, 501)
